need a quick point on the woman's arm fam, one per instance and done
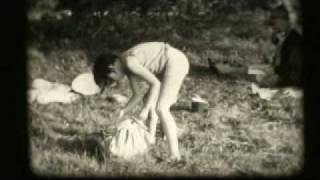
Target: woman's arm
(137, 94)
(137, 69)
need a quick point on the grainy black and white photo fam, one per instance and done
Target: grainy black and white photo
(148, 88)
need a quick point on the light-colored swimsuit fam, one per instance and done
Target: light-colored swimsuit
(160, 58)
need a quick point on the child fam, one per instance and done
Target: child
(163, 67)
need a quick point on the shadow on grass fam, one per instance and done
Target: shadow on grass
(180, 108)
(94, 145)
(200, 71)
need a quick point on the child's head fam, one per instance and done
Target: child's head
(103, 70)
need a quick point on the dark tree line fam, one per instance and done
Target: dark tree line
(142, 7)
(43, 14)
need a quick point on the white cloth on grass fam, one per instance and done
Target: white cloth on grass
(269, 93)
(45, 92)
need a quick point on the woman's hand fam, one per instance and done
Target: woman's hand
(144, 114)
(121, 114)
(151, 116)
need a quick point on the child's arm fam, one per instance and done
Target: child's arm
(140, 71)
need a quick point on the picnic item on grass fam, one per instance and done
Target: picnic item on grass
(268, 93)
(84, 84)
(199, 104)
(45, 92)
(132, 138)
(227, 69)
(259, 69)
(264, 93)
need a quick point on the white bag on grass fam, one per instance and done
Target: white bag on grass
(84, 84)
(132, 138)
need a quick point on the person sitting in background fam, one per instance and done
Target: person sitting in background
(285, 21)
(286, 66)
(288, 61)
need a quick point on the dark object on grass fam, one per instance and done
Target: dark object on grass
(220, 68)
(288, 62)
(212, 67)
(199, 104)
(93, 144)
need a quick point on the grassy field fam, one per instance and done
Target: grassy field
(240, 135)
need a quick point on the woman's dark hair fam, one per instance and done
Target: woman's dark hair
(101, 69)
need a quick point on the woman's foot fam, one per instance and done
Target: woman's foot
(177, 161)
(175, 157)
(150, 138)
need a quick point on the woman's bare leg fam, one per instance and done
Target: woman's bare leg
(167, 119)
(171, 83)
